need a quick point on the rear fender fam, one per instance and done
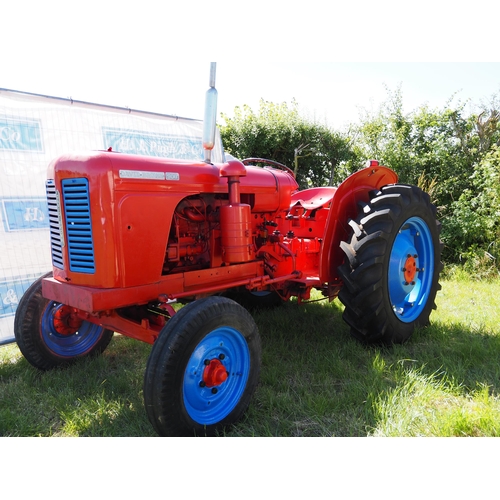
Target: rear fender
(344, 207)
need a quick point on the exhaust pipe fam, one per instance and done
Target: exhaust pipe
(210, 120)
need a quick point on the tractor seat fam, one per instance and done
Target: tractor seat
(311, 199)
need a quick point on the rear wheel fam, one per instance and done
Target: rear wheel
(49, 334)
(392, 265)
(203, 369)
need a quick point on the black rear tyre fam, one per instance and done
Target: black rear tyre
(203, 369)
(392, 265)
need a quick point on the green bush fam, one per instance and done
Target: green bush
(277, 132)
(471, 231)
(450, 153)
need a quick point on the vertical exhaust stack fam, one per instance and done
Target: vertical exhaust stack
(210, 120)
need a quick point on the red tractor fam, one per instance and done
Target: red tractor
(132, 235)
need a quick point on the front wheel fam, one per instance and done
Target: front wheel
(392, 265)
(203, 369)
(49, 334)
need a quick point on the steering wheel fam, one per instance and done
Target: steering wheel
(249, 161)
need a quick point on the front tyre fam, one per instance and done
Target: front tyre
(392, 265)
(49, 334)
(203, 369)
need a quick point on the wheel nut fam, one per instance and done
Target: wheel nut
(206, 362)
(214, 390)
(222, 356)
(202, 384)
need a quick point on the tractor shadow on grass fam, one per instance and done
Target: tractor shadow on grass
(101, 396)
(315, 379)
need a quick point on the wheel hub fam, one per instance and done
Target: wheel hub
(214, 373)
(66, 321)
(410, 269)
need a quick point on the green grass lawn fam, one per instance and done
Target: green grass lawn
(315, 380)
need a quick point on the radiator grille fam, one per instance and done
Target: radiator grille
(76, 202)
(56, 237)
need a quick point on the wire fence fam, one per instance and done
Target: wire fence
(35, 129)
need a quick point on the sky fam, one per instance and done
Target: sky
(335, 59)
(328, 92)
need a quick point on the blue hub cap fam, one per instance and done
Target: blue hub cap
(216, 375)
(411, 268)
(63, 339)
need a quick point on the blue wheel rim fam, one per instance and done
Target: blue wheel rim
(413, 244)
(68, 346)
(203, 404)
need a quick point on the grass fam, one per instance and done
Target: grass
(315, 380)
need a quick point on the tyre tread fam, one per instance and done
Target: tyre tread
(364, 297)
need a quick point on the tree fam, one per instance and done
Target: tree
(277, 132)
(451, 153)
(421, 144)
(448, 149)
(473, 224)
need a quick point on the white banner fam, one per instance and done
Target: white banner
(35, 129)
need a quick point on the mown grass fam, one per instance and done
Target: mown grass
(315, 380)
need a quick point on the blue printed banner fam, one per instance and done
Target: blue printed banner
(22, 214)
(162, 145)
(11, 293)
(20, 135)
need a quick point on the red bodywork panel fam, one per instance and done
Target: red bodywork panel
(345, 207)
(134, 214)
(169, 229)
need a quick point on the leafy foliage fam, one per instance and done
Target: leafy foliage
(316, 154)
(474, 221)
(438, 144)
(452, 153)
